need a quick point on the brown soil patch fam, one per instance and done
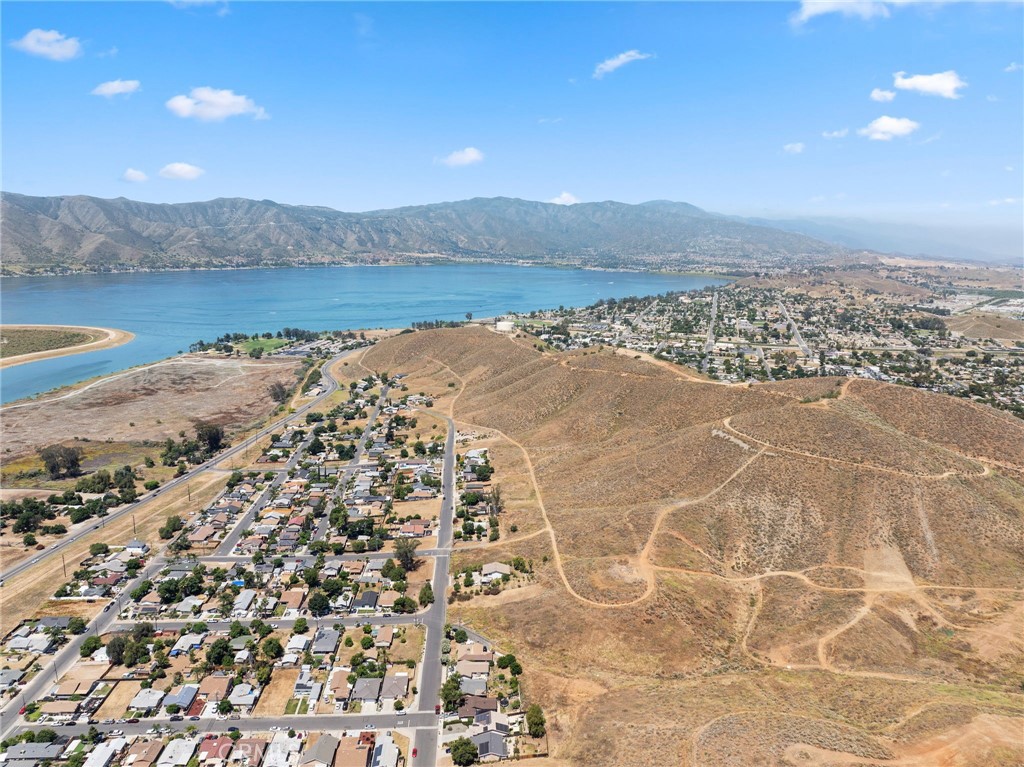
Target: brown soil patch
(275, 697)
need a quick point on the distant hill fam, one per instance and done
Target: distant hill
(979, 243)
(79, 233)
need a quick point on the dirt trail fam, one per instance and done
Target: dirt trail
(856, 464)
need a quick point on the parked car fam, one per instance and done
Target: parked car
(177, 718)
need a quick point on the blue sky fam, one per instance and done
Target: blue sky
(359, 107)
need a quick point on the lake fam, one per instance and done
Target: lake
(167, 311)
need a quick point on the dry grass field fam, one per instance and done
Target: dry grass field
(744, 575)
(148, 403)
(982, 325)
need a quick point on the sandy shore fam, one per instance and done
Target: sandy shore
(111, 337)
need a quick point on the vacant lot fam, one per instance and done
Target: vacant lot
(981, 325)
(117, 702)
(151, 403)
(275, 697)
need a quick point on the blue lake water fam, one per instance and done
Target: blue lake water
(167, 311)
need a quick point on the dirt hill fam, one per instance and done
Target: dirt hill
(814, 572)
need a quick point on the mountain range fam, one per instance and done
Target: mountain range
(80, 233)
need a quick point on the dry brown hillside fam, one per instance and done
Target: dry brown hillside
(745, 575)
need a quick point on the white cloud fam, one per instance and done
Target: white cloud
(841, 133)
(565, 198)
(886, 128)
(468, 156)
(991, 98)
(108, 53)
(213, 105)
(549, 120)
(610, 65)
(1005, 201)
(1013, 66)
(116, 88)
(863, 9)
(364, 24)
(1008, 169)
(181, 171)
(50, 44)
(794, 148)
(135, 176)
(818, 198)
(877, 94)
(945, 84)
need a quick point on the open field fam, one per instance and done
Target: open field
(733, 576)
(27, 343)
(980, 325)
(150, 403)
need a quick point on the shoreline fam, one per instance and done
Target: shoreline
(113, 337)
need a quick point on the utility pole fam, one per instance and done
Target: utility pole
(188, 489)
(135, 530)
(64, 564)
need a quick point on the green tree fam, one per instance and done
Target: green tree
(272, 648)
(319, 604)
(464, 752)
(426, 595)
(301, 626)
(225, 707)
(76, 625)
(405, 553)
(90, 645)
(536, 725)
(115, 649)
(96, 549)
(451, 693)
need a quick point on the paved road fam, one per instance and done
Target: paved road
(147, 498)
(431, 676)
(709, 343)
(796, 331)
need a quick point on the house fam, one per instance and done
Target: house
(143, 753)
(25, 754)
(394, 687)
(182, 697)
(339, 685)
(494, 571)
(146, 700)
(215, 750)
(385, 752)
(187, 643)
(150, 603)
(292, 599)
(354, 752)
(177, 752)
(475, 704)
(325, 641)
(297, 643)
(215, 687)
(386, 601)
(321, 753)
(493, 720)
(384, 636)
(244, 696)
(9, 677)
(243, 602)
(366, 690)
(367, 601)
(280, 751)
(472, 686)
(304, 683)
(248, 752)
(60, 709)
(472, 668)
(490, 744)
(137, 548)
